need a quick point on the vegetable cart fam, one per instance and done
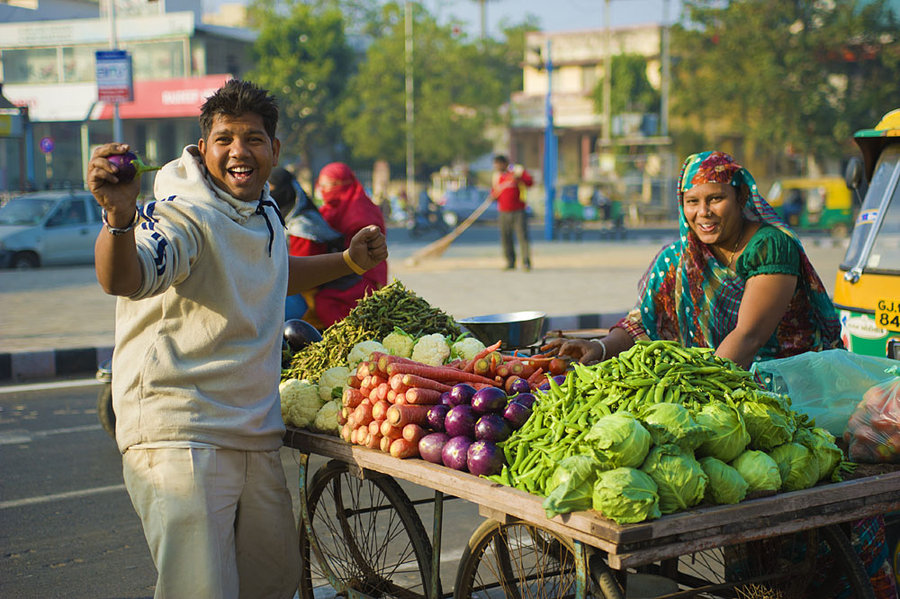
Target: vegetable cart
(359, 530)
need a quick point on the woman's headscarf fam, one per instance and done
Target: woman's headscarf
(689, 296)
(345, 187)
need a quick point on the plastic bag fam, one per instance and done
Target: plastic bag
(873, 432)
(825, 385)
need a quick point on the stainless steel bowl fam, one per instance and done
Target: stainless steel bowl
(513, 329)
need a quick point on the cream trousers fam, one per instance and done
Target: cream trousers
(219, 522)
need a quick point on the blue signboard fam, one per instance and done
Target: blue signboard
(114, 81)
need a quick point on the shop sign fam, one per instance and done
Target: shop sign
(114, 82)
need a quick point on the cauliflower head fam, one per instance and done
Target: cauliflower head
(327, 418)
(431, 349)
(466, 348)
(335, 378)
(399, 343)
(363, 351)
(299, 402)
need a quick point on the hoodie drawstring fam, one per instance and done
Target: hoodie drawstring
(261, 209)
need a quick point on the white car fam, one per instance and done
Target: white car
(48, 228)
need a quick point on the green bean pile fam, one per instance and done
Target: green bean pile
(374, 317)
(648, 373)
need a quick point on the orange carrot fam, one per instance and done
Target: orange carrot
(379, 409)
(342, 417)
(470, 366)
(351, 397)
(352, 381)
(502, 371)
(385, 360)
(413, 433)
(353, 433)
(385, 444)
(375, 427)
(345, 432)
(401, 448)
(365, 385)
(363, 413)
(373, 441)
(390, 431)
(391, 396)
(411, 380)
(380, 392)
(362, 370)
(483, 367)
(438, 373)
(396, 382)
(399, 398)
(535, 377)
(420, 397)
(401, 415)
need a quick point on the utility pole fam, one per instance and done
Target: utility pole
(113, 43)
(607, 78)
(549, 153)
(410, 108)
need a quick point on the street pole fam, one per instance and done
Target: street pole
(549, 153)
(113, 43)
(668, 194)
(410, 108)
(607, 79)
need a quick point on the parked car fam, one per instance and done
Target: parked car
(48, 228)
(458, 204)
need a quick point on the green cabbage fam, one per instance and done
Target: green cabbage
(626, 495)
(821, 443)
(797, 466)
(680, 480)
(726, 485)
(672, 423)
(728, 437)
(570, 487)
(759, 470)
(769, 426)
(621, 438)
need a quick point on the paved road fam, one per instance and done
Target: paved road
(67, 527)
(63, 308)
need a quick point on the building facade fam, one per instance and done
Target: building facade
(48, 65)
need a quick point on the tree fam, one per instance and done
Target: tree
(630, 89)
(785, 74)
(457, 92)
(303, 57)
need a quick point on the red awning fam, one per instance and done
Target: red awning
(166, 99)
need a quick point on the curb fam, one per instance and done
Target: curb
(48, 364)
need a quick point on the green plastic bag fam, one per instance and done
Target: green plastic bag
(825, 385)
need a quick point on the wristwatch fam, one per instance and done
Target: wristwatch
(116, 231)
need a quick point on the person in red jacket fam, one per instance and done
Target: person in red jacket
(347, 209)
(513, 219)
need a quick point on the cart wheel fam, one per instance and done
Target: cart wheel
(517, 560)
(792, 565)
(105, 410)
(367, 536)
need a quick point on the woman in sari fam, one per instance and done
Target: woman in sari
(737, 280)
(347, 209)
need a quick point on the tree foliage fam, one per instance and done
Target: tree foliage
(303, 57)
(458, 88)
(630, 89)
(786, 75)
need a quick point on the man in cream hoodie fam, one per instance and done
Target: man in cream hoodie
(202, 274)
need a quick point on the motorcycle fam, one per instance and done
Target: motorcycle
(425, 221)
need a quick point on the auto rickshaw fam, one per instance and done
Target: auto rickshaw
(867, 290)
(814, 204)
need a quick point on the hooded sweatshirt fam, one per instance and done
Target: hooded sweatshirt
(198, 347)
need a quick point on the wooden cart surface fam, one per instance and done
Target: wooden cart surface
(633, 545)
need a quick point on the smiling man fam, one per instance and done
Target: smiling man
(203, 272)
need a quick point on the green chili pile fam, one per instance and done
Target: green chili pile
(374, 317)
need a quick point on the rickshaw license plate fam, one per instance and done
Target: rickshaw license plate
(887, 314)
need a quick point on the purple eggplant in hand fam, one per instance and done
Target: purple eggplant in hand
(129, 166)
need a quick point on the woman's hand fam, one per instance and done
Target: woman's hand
(368, 248)
(583, 350)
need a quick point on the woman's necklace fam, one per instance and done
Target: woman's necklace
(736, 244)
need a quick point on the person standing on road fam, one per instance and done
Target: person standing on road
(506, 192)
(202, 274)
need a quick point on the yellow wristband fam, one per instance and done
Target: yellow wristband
(353, 265)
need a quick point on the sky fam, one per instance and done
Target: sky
(553, 15)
